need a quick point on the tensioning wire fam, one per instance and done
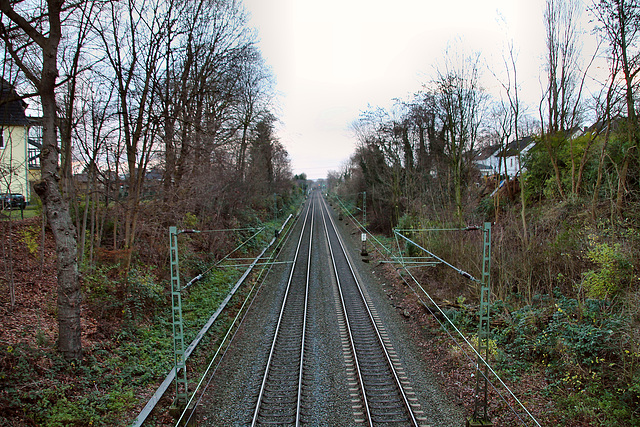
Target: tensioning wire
(470, 346)
(201, 275)
(462, 272)
(258, 283)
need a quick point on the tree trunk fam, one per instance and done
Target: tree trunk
(64, 232)
(7, 253)
(88, 199)
(243, 148)
(622, 181)
(583, 163)
(554, 163)
(603, 152)
(457, 182)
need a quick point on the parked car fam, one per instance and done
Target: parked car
(12, 200)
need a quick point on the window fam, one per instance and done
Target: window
(34, 158)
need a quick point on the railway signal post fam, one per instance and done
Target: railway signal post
(363, 252)
(480, 410)
(182, 388)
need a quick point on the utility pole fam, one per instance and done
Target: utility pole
(182, 387)
(363, 252)
(480, 408)
(275, 207)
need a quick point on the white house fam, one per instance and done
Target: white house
(493, 161)
(512, 155)
(487, 160)
(14, 144)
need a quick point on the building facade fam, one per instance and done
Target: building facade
(14, 142)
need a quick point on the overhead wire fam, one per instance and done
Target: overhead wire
(479, 356)
(259, 282)
(201, 275)
(472, 347)
(217, 230)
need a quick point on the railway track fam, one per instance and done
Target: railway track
(280, 396)
(384, 390)
(379, 391)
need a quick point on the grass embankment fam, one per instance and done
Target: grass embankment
(17, 214)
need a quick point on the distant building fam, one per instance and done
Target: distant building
(487, 160)
(512, 155)
(491, 160)
(14, 142)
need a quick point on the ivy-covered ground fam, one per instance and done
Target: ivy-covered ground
(569, 362)
(126, 335)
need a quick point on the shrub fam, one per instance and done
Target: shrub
(143, 295)
(579, 347)
(31, 238)
(614, 272)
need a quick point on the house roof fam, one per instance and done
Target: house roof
(598, 127)
(11, 106)
(486, 152)
(516, 147)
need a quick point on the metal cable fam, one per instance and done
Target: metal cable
(278, 248)
(462, 272)
(458, 331)
(201, 275)
(469, 358)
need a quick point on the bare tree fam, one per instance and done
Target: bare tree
(461, 101)
(71, 67)
(510, 125)
(562, 94)
(216, 91)
(254, 103)
(133, 34)
(620, 26)
(94, 129)
(262, 155)
(607, 121)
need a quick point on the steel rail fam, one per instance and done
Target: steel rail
(304, 317)
(371, 318)
(349, 331)
(256, 413)
(238, 320)
(155, 398)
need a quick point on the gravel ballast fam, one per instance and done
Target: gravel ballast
(230, 398)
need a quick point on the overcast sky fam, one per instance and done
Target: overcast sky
(333, 58)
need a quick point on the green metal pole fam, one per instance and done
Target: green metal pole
(480, 412)
(182, 387)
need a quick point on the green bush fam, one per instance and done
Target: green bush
(143, 295)
(614, 271)
(31, 238)
(100, 287)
